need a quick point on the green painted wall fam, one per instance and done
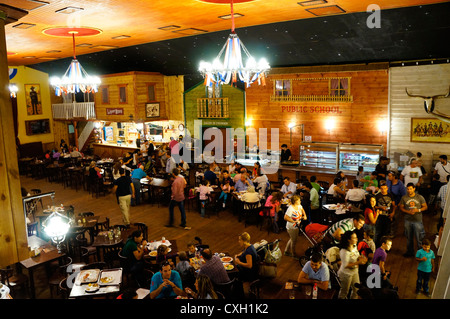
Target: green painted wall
(236, 98)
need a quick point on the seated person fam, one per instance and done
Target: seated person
(370, 182)
(213, 268)
(336, 189)
(250, 196)
(210, 175)
(355, 194)
(261, 182)
(75, 153)
(243, 183)
(288, 189)
(166, 283)
(185, 269)
(334, 232)
(134, 249)
(315, 271)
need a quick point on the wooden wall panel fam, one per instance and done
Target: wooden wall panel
(354, 122)
(424, 80)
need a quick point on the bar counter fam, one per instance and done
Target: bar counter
(111, 150)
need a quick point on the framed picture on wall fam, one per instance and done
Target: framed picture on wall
(152, 109)
(429, 130)
(33, 99)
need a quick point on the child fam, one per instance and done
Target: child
(185, 270)
(425, 257)
(225, 191)
(192, 250)
(368, 239)
(379, 258)
(161, 255)
(204, 191)
(360, 175)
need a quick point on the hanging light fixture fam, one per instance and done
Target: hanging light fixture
(76, 79)
(56, 226)
(232, 67)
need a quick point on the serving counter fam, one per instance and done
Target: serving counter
(112, 151)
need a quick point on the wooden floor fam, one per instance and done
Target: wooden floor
(221, 233)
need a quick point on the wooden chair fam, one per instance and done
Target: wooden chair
(33, 229)
(254, 289)
(102, 226)
(267, 219)
(96, 265)
(125, 264)
(110, 254)
(14, 280)
(59, 274)
(250, 212)
(86, 214)
(63, 287)
(227, 288)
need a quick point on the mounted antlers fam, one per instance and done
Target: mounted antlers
(428, 100)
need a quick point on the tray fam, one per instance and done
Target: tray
(88, 276)
(110, 277)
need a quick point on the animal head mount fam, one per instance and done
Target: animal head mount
(429, 100)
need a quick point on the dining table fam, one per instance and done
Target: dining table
(157, 188)
(91, 283)
(338, 212)
(46, 253)
(291, 289)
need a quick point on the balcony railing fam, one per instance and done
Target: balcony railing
(212, 108)
(73, 110)
(311, 98)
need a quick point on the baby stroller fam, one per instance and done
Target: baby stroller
(269, 254)
(314, 233)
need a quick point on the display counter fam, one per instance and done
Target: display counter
(112, 151)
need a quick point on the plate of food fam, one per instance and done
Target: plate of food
(92, 288)
(226, 259)
(106, 279)
(89, 276)
(228, 266)
(153, 253)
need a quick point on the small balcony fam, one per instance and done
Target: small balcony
(74, 110)
(311, 98)
(213, 108)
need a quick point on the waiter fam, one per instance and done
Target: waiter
(285, 153)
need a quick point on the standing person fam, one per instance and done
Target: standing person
(381, 169)
(412, 174)
(170, 163)
(315, 215)
(425, 257)
(177, 198)
(124, 190)
(350, 260)
(293, 216)
(412, 205)
(204, 190)
(136, 176)
(386, 208)
(371, 215)
(286, 154)
(443, 169)
(396, 188)
(379, 258)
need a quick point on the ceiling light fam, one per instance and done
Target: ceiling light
(170, 27)
(233, 68)
(120, 37)
(69, 10)
(228, 16)
(23, 25)
(75, 79)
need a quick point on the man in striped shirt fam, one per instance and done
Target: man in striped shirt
(333, 234)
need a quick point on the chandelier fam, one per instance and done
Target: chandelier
(232, 67)
(76, 79)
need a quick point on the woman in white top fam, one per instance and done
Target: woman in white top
(250, 196)
(293, 217)
(350, 261)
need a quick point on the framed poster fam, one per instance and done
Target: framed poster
(37, 127)
(109, 133)
(33, 99)
(429, 130)
(152, 109)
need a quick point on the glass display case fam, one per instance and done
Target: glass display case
(351, 156)
(320, 155)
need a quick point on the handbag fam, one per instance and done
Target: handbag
(267, 270)
(274, 255)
